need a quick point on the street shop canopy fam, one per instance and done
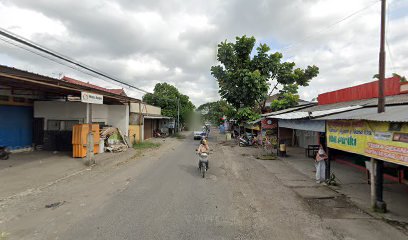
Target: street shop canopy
(52, 88)
(252, 127)
(312, 114)
(156, 117)
(303, 124)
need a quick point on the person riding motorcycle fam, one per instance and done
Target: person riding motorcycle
(203, 148)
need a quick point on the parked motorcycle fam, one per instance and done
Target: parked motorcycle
(245, 141)
(4, 153)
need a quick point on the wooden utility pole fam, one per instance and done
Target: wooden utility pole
(381, 99)
(378, 165)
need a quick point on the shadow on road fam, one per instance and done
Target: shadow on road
(191, 169)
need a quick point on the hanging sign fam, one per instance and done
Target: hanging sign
(87, 97)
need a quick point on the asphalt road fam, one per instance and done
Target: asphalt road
(169, 200)
(161, 195)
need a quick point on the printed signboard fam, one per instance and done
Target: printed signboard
(372, 139)
(87, 97)
(269, 123)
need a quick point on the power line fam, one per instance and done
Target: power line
(295, 44)
(49, 58)
(38, 47)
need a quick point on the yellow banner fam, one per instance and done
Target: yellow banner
(380, 140)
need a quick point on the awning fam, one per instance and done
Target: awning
(252, 127)
(308, 125)
(256, 121)
(313, 114)
(397, 113)
(156, 117)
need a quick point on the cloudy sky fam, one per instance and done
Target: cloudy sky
(144, 42)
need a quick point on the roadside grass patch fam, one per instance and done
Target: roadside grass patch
(3, 235)
(145, 145)
(178, 136)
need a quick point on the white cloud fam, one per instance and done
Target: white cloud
(146, 42)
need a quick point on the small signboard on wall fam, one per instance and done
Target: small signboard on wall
(87, 97)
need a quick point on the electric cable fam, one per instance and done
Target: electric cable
(40, 48)
(300, 42)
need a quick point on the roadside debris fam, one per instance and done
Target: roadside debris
(54, 205)
(114, 140)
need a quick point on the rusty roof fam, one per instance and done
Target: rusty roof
(90, 85)
(20, 79)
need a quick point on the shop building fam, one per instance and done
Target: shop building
(146, 119)
(38, 111)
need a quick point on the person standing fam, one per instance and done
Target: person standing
(320, 165)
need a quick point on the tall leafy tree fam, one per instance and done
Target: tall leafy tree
(165, 96)
(247, 79)
(214, 111)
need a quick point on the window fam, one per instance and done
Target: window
(53, 125)
(68, 124)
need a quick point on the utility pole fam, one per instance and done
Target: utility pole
(378, 165)
(178, 114)
(381, 99)
(90, 139)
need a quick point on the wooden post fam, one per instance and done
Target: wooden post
(381, 206)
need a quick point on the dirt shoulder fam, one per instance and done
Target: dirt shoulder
(279, 199)
(24, 215)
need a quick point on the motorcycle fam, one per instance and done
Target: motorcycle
(4, 153)
(245, 141)
(203, 164)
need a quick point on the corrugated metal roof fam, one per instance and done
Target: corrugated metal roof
(312, 114)
(288, 110)
(390, 100)
(397, 113)
(147, 116)
(256, 121)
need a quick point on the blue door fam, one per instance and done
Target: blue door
(16, 126)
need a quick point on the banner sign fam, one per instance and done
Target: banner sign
(381, 140)
(269, 123)
(87, 97)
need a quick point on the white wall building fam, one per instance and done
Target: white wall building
(63, 115)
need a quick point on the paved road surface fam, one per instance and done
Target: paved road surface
(168, 200)
(162, 196)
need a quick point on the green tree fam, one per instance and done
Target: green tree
(247, 81)
(247, 114)
(165, 96)
(402, 78)
(214, 111)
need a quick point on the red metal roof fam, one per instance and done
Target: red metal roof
(364, 91)
(77, 82)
